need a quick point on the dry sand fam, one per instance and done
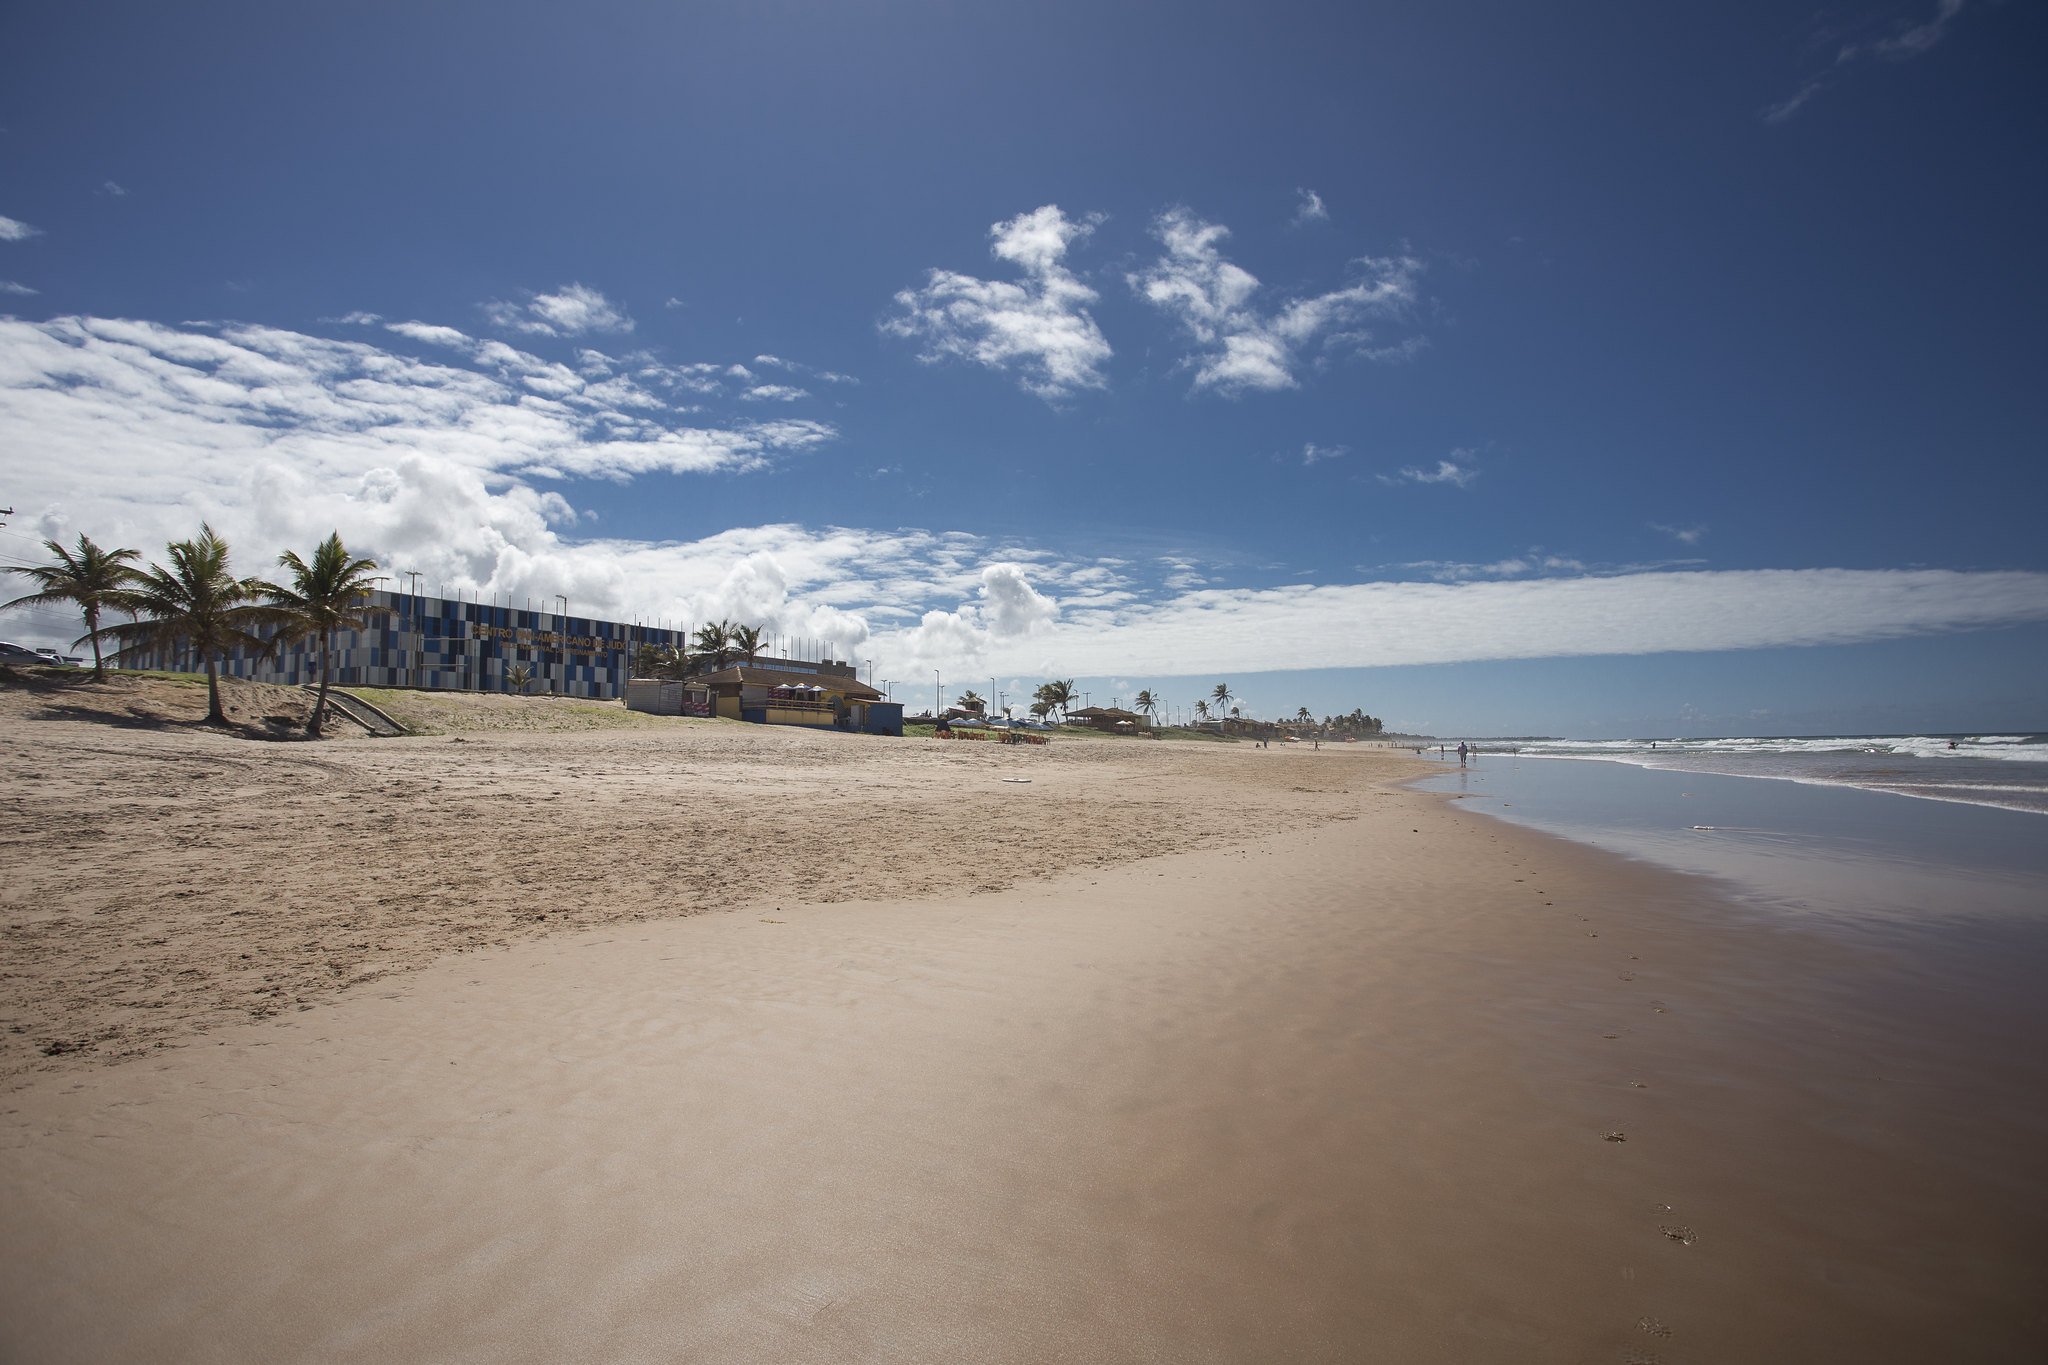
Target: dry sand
(1174, 1053)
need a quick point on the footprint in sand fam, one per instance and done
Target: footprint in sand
(1679, 1233)
(1650, 1327)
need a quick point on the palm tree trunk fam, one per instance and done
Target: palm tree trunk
(214, 715)
(92, 629)
(320, 702)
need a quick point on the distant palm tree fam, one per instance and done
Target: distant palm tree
(1059, 693)
(1201, 709)
(1221, 696)
(745, 641)
(972, 701)
(520, 676)
(198, 602)
(1303, 715)
(324, 596)
(90, 578)
(1147, 705)
(713, 646)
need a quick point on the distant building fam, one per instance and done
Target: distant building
(827, 694)
(1111, 718)
(439, 643)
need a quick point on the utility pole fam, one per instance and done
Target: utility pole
(938, 698)
(419, 633)
(562, 644)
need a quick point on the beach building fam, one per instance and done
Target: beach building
(824, 694)
(1114, 719)
(452, 644)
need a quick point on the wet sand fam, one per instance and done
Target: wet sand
(1396, 1084)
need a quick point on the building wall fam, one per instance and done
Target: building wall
(434, 642)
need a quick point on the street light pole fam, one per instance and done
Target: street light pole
(418, 631)
(938, 697)
(562, 644)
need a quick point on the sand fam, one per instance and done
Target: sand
(846, 1050)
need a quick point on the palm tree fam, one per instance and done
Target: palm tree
(197, 601)
(713, 646)
(1201, 709)
(520, 676)
(90, 578)
(324, 596)
(1058, 695)
(744, 641)
(1302, 714)
(972, 701)
(1221, 696)
(1146, 704)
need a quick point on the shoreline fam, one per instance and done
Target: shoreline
(1330, 1092)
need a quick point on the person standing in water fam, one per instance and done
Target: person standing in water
(1461, 753)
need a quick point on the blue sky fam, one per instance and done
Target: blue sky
(1494, 368)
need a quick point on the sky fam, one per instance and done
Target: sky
(1591, 370)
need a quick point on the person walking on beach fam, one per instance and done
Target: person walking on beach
(1461, 753)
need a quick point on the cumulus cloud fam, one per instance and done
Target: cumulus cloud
(1240, 346)
(14, 230)
(774, 393)
(1009, 610)
(572, 310)
(1040, 329)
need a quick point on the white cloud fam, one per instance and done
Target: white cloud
(1446, 471)
(136, 432)
(1381, 624)
(1684, 535)
(572, 310)
(1311, 209)
(1903, 41)
(1313, 454)
(1915, 39)
(12, 287)
(430, 333)
(14, 230)
(358, 318)
(112, 190)
(774, 393)
(138, 416)
(1041, 329)
(1241, 347)
(673, 302)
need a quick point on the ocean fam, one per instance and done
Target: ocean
(2008, 769)
(1821, 833)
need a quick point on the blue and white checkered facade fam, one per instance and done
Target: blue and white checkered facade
(432, 642)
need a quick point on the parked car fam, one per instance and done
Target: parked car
(16, 656)
(59, 660)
